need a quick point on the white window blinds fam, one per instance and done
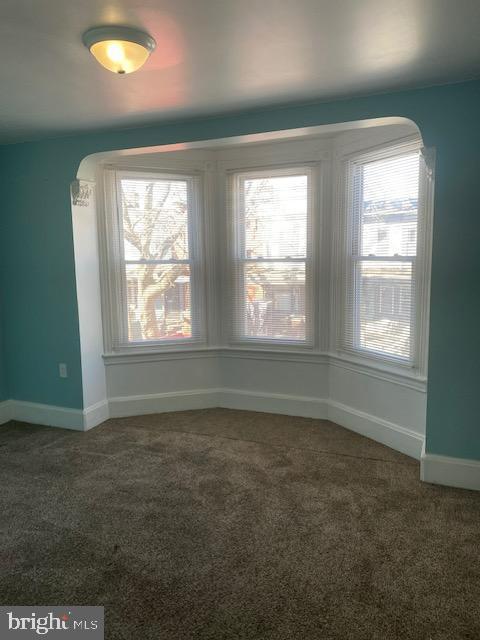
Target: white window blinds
(381, 276)
(271, 261)
(157, 258)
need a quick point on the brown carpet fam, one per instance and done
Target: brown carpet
(228, 524)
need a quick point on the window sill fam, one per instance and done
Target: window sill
(154, 353)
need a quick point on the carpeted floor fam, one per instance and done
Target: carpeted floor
(228, 524)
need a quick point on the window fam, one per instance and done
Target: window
(272, 256)
(383, 271)
(155, 267)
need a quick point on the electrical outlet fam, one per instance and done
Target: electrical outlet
(62, 370)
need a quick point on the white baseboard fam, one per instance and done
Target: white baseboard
(452, 472)
(48, 415)
(95, 415)
(303, 406)
(390, 434)
(5, 411)
(53, 416)
(226, 398)
(125, 406)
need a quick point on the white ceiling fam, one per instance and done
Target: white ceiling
(214, 56)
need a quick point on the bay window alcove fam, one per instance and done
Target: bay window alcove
(287, 275)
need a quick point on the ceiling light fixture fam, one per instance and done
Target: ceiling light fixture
(119, 49)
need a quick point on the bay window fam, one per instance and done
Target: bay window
(265, 258)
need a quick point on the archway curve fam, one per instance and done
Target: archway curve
(88, 165)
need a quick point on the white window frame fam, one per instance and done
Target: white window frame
(234, 253)
(116, 325)
(344, 262)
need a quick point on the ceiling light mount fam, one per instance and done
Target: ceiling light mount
(119, 49)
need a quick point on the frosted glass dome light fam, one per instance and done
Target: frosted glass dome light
(119, 49)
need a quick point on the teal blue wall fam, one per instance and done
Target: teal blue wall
(40, 321)
(3, 374)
